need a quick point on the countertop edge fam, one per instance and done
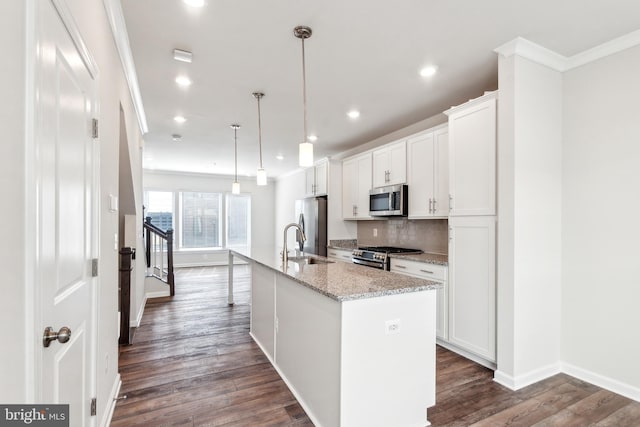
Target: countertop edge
(429, 284)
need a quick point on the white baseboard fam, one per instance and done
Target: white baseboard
(106, 419)
(136, 322)
(516, 383)
(607, 383)
(156, 294)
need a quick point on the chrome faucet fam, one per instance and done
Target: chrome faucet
(285, 252)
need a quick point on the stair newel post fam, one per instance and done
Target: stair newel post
(170, 278)
(147, 235)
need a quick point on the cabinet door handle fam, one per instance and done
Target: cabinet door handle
(346, 256)
(427, 271)
(450, 202)
(400, 266)
(430, 205)
(450, 233)
(434, 206)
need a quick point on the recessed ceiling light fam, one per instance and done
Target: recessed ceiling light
(183, 81)
(354, 114)
(194, 3)
(176, 137)
(280, 157)
(182, 55)
(313, 138)
(179, 119)
(428, 71)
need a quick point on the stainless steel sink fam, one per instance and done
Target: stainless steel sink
(306, 259)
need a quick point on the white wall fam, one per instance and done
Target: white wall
(262, 205)
(13, 227)
(18, 375)
(529, 209)
(600, 221)
(114, 92)
(288, 189)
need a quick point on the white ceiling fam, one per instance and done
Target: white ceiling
(363, 54)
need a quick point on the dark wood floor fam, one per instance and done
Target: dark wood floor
(193, 364)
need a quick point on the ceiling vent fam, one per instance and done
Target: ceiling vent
(182, 55)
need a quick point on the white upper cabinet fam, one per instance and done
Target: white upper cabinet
(428, 174)
(472, 157)
(356, 183)
(316, 179)
(390, 164)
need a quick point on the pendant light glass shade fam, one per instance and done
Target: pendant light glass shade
(235, 187)
(261, 176)
(305, 154)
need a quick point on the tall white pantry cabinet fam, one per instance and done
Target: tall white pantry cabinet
(472, 226)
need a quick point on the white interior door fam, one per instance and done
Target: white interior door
(66, 211)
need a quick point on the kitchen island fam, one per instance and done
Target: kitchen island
(355, 345)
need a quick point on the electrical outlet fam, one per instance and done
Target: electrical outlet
(375, 232)
(392, 326)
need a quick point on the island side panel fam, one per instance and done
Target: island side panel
(308, 349)
(388, 360)
(263, 300)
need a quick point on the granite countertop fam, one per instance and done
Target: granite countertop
(338, 280)
(427, 258)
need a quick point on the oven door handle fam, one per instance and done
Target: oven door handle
(368, 263)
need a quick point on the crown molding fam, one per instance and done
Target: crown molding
(121, 38)
(605, 49)
(534, 52)
(541, 55)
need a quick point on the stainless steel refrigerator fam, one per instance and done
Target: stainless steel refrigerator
(311, 214)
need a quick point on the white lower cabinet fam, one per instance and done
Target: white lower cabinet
(339, 254)
(263, 303)
(436, 273)
(472, 285)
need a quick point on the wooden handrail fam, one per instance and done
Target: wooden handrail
(168, 237)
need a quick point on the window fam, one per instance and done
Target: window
(200, 220)
(159, 206)
(238, 221)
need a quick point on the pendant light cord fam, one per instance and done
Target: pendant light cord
(259, 131)
(304, 92)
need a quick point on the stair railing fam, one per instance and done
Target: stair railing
(159, 253)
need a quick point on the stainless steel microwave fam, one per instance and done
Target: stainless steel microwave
(389, 201)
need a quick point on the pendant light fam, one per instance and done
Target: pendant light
(261, 176)
(235, 188)
(305, 153)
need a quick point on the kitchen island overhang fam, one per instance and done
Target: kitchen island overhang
(355, 345)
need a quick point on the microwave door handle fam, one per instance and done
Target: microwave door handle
(392, 196)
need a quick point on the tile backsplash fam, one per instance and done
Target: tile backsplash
(429, 235)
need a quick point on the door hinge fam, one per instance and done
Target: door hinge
(94, 267)
(94, 404)
(94, 128)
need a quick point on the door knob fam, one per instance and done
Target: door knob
(63, 335)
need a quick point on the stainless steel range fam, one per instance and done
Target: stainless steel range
(378, 256)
